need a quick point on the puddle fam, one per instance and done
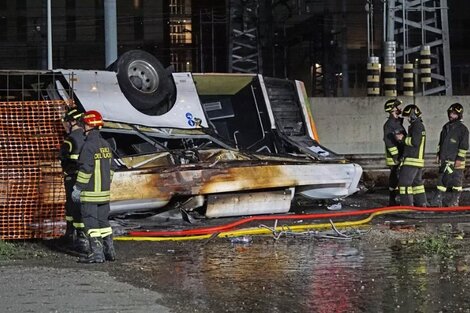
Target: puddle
(305, 275)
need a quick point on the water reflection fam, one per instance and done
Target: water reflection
(304, 275)
(334, 279)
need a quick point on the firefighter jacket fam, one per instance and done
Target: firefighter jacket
(393, 148)
(453, 142)
(96, 169)
(70, 150)
(415, 142)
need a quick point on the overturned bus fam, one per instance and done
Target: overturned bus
(225, 144)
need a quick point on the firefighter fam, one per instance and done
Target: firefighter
(393, 147)
(410, 181)
(451, 152)
(69, 151)
(92, 190)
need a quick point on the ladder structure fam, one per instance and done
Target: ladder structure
(417, 26)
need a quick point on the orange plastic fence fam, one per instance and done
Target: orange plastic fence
(32, 196)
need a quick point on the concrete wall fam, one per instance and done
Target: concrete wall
(355, 125)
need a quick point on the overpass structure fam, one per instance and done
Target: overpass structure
(419, 26)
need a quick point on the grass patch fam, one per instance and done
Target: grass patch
(20, 250)
(7, 250)
(438, 244)
(443, 245)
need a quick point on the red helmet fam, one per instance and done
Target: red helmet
(93, 118)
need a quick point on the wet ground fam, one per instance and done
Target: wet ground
(305, 275)
(398, 263)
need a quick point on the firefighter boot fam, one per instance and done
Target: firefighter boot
(82, 244)
(96, 254)
(436, 201)
(392, 199)
(420, 200)
(108, 248)
(454, 199)
(68, 237)
(406, 199)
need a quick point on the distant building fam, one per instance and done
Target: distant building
(181, 35)
(78, 32)
(322, 42)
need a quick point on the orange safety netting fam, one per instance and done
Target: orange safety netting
(32, 195)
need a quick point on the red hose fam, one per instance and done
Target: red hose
(225, 227)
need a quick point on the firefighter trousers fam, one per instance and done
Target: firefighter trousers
(393, 184)
(95, 217)
(393, 177)
(72, 209)
(449, 179)
(411, 186)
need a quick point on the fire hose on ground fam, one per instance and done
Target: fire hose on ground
(228, 230)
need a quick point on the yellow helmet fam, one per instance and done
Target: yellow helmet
(72, 114)
(457, 108)
(411, 111)
(391, 104)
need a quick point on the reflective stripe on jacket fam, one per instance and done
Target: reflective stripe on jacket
(453, 143)
(70, 150)
(95, 172)
(415, 144)
(393, 148)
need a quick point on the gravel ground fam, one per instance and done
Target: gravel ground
(28, 288)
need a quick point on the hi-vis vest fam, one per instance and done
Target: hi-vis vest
(415, 143)
(95, 174)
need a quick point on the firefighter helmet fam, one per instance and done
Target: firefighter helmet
(72, 114)
(411, 111)
(391, 104)
(93, 118)
(456, 108)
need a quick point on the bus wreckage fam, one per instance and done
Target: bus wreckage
(227, 144)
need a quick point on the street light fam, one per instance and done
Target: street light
(49, 35)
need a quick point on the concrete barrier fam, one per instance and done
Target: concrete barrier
(354, 125)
